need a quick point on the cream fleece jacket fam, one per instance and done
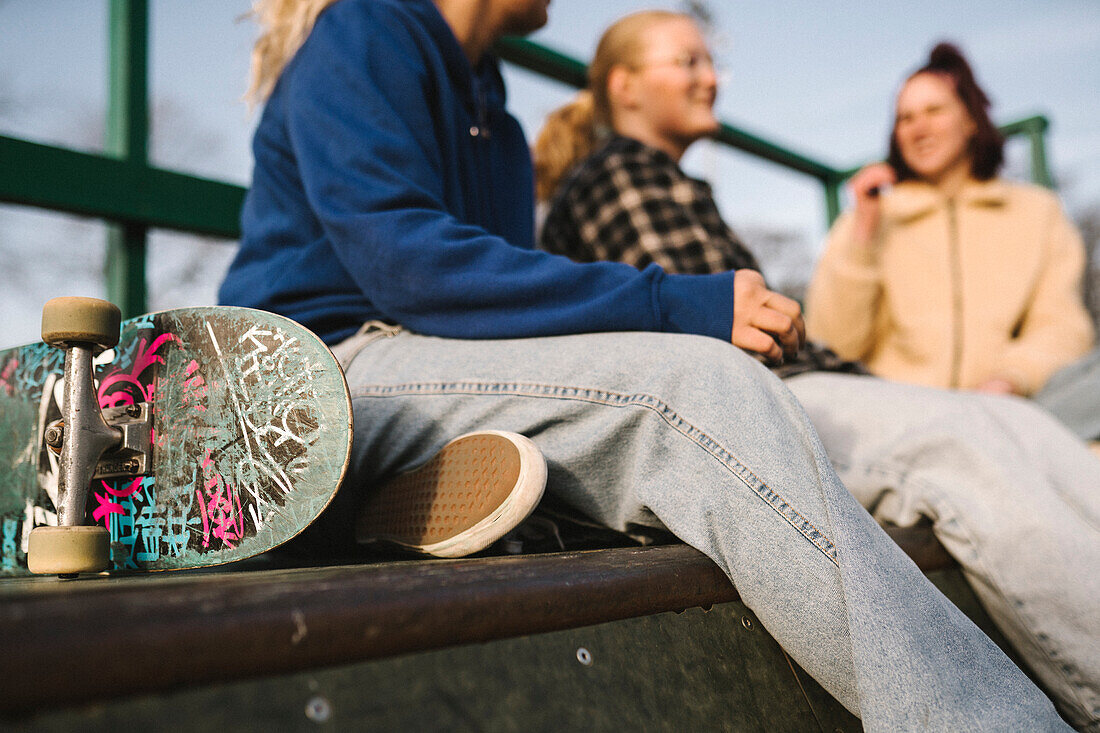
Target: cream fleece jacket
(954, 292)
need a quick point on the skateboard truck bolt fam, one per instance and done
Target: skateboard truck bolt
(55, 436)
(132, 456)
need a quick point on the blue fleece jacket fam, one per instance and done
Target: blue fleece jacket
(390, 183)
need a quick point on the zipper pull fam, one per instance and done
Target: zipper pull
(481, 129)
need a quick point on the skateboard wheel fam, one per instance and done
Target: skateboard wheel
(68, 550)
(80, 320)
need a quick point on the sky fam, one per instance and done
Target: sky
(819, 78)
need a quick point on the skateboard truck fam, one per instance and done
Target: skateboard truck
(129, 455)
(83, 327)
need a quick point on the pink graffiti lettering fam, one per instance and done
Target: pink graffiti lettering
(107, 506)
(6, 374)
(220, 507)
(120, 388)
(194, 387)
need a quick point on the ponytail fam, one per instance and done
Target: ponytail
(948, 59)
(568, 137)
(572, 132)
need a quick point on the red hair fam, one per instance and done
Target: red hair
(987, 144)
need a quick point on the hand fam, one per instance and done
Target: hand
(998, 385)
(765, 322)
(866, 187)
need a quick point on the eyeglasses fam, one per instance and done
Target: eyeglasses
(689, 61)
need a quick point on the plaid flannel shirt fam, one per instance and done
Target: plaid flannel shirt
(631, 203)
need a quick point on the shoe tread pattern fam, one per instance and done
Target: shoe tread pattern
(460, 486)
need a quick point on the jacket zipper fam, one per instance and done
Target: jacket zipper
(956, 293)
(480, 133)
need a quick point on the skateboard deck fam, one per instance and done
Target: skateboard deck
(249, 423)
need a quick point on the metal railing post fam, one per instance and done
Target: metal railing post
(832, 198)
(127, 139)
(1040, 172)
(1035, 128)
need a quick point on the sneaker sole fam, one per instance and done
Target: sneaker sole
(469, 495)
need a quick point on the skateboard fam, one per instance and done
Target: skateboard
(195, 437)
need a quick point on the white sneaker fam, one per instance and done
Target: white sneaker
(469, 495)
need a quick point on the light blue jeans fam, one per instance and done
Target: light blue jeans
(690, 433)
(1073, 396)
(1013, 496)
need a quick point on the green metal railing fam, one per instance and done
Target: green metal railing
(122, 188)
(128, 140)
(569, 71)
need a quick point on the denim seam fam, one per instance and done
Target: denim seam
(617, 399)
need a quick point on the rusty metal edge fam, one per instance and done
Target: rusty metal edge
(97, 639)
(102, 638)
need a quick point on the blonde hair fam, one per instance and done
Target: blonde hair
(284, 26)
(572, 131)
